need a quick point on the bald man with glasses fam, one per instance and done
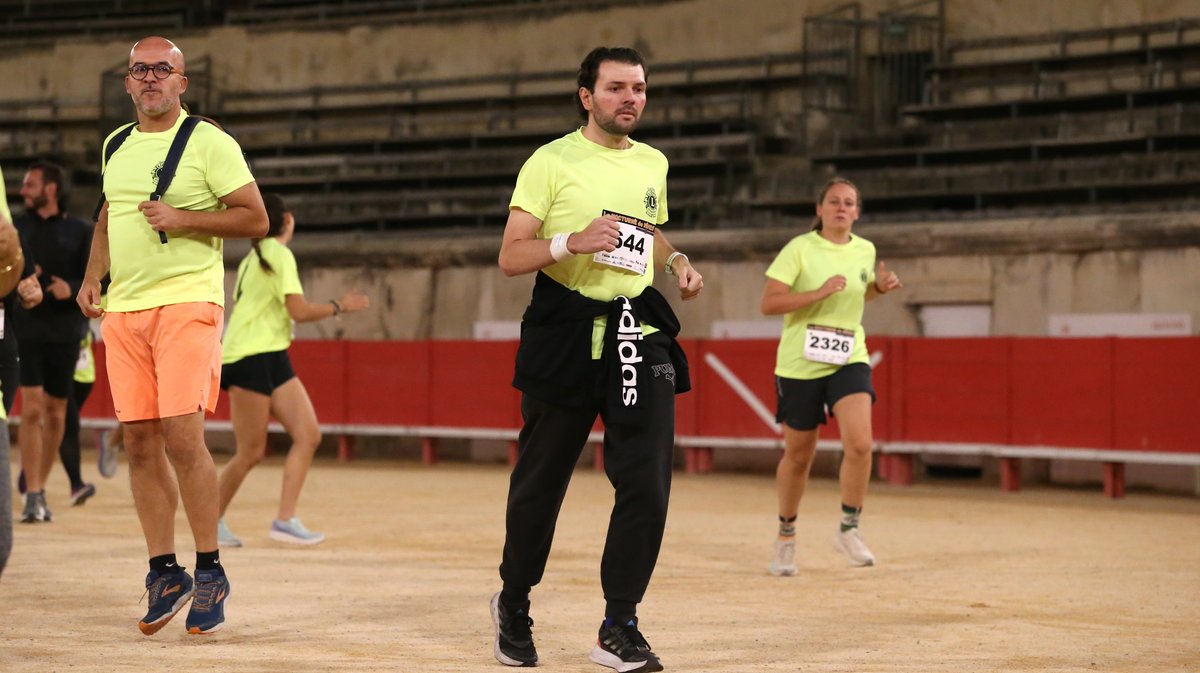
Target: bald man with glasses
(164, 313)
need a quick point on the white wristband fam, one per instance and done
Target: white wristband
(671, 258)
(558, 247)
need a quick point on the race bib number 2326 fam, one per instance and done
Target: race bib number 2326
(828, 344)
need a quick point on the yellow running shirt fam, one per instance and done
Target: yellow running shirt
(189, 267)
(804, 264)
(260, 322)
(571, 181)
(85, 366)
(4, 211)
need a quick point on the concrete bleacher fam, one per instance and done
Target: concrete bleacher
(446, 152)
(1061, 122)
(44, 20)
(1052, 64)
(342, 12)
(35, 21)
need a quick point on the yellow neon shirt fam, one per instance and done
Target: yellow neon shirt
(85, 366)
(4, 211)
(804, 264)
(189, 268)
(260, 322)
(571, 181)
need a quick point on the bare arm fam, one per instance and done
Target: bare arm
(244, 216)
(778, 298)
(885, 282)
(12, 261)
(690, 280)
(302, 310)
(523, 252)
(97, 266)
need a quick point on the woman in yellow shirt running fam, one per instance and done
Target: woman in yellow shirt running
(820, 282)
(258, 375)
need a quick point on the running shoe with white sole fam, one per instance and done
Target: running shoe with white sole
(622, 648)
(225, 537)
(208, 605)
(294, 532)
(169, 592)
(81, 494)
(784, 562)
(850, 543)
(514, 634)
(107, 455)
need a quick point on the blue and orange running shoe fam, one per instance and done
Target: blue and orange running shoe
(169, 592)
(208, 607)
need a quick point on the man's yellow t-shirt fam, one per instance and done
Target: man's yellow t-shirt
(571, 181)
(260, 322)
(189, 268)
(4, 211)
(804, 264)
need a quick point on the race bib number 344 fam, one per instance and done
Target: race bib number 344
(828, 344)
(635, 242)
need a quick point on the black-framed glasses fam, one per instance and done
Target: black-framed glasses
(139, 71)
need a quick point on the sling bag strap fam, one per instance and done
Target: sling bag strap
(165, 174)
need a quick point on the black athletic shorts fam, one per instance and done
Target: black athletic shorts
(49, 366)
(261, 373)
(802, 403)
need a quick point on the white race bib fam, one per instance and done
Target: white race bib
(828, 344)
(635, 243)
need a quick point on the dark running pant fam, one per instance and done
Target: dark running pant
(6, 514)
(637, 460)
(68, 451)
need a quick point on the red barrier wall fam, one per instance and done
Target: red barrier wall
(1125, 394)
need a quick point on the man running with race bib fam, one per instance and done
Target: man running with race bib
(596, 339)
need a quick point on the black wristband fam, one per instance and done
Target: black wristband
(337, 308)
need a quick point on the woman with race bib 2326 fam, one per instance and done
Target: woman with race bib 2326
(820, 282)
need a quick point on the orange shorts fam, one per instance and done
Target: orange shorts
(164, 361)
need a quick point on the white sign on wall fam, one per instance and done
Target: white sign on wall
(497, 330)
(1120, 324)
(765, 328)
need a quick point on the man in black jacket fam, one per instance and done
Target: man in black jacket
(596, 340)
(48, 335)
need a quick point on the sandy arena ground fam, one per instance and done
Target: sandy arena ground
(969, 579)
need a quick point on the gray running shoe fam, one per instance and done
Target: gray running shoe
(225, 537)
(107, 459)
(35, 509)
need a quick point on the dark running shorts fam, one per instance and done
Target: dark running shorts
(261, 373)
(49, 366)
(801, 403)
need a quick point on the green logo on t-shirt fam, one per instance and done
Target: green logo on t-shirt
(651, 202)
(862, 275)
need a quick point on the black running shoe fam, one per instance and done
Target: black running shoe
(622, 648)
(514, 639)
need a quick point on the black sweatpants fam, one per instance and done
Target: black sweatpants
(69, 451)
(637, 460)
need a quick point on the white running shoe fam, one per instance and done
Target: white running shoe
(851, 544)
(294, 532)
(225, 537)
(784, 563)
